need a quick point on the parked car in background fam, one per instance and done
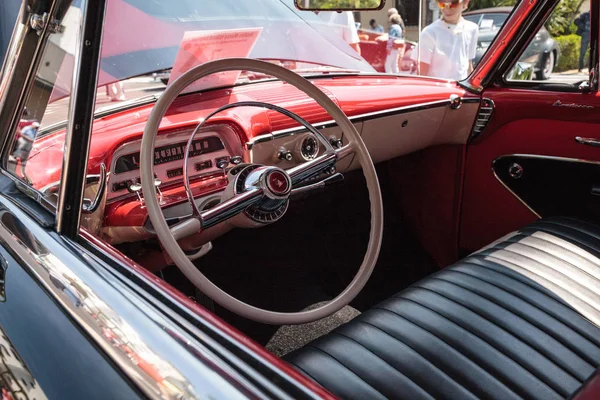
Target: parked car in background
(542, 52)
(374, 52)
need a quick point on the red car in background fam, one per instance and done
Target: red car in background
(374, 52)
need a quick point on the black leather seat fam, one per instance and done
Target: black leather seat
(518, 319)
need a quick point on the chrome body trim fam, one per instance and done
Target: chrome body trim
(587, 141)
(356, 118)
(484, 115)
(163, 360)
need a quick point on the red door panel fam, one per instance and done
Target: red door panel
(524, 122)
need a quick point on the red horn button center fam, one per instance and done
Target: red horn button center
(278, 183)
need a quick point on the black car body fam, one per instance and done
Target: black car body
(542, 52)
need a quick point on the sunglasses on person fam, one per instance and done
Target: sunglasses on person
(451, 4)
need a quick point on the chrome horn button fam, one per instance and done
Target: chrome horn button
(278, 182)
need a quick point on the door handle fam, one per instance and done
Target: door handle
(588, 141)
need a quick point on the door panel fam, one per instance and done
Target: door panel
(42, 353)
(552, 186)
(524, 122)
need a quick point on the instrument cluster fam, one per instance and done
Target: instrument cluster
(213, 150)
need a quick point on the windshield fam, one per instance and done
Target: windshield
(147, 43)
(143, 36)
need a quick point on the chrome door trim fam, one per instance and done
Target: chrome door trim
(357, 118)
(141, 341)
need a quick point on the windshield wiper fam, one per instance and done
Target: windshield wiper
(326, 70)
(124, 105)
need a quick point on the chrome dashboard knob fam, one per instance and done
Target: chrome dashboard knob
(236, 160)
(136, 187)
(336, 142)
(285, 155)
(157, 183)
(222, 163)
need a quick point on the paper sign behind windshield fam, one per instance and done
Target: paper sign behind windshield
(199, 47)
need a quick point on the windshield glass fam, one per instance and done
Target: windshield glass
(147, 43)
(143, 36)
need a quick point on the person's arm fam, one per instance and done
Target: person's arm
(473, 49)
(423, 53)
(353, 40)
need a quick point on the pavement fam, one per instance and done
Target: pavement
(570, 76)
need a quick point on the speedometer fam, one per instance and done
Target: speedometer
(174, 152)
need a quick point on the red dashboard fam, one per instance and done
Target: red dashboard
(250, 135)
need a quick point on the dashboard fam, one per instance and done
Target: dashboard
(213, 150)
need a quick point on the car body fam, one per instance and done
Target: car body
(91, 305)
(543, 51)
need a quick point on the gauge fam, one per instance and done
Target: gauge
(309, 148)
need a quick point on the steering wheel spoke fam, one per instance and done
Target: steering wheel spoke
(186, 228)
(217, 214)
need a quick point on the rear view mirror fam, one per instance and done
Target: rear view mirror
(339, 5)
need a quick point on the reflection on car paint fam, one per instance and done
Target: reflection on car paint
(151, 371)
(16, 380)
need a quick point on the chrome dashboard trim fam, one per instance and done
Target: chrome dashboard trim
(356, 118)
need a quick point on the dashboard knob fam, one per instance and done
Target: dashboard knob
(136, 187)
(236, 160)
(222, 163)
(336, 143)
(285, 155)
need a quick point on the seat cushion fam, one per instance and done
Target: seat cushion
(518, 319)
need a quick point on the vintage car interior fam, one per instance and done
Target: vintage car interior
(387, 236)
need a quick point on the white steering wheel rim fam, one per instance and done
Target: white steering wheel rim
(174, 250)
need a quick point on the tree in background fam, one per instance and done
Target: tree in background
(561, 20)
(341, 3)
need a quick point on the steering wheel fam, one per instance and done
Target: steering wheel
(262, 185)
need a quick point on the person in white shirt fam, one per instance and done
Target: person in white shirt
(447, 46)
(344, 25)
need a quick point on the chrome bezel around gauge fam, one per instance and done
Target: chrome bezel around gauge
(309, 147)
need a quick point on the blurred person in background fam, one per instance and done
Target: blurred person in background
(448, 46)
(345, 26)
(395, 33)
(375, 27)
(583, 24)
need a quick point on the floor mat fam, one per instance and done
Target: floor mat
(291, 337)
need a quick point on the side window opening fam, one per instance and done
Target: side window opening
(32, 157)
